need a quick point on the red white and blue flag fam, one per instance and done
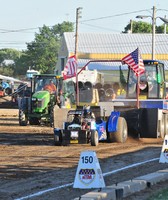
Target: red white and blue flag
(70, 69)
(135, 62)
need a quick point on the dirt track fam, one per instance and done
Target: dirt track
(31, 163)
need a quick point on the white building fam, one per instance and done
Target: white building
(93, 46)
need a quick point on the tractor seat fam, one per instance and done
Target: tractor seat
(98, 120)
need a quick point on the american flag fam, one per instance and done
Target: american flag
(70, 69)
(135, 62)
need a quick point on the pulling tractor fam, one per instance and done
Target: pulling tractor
(36, 106)
(141, 111)
(78, 129)
(144, 105)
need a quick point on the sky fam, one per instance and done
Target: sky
(21, 19)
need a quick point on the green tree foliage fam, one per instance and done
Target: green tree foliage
(59, 29)
(43, 51)
(142, 27)
(2, 55)
(21, 64)
(6, 71)
(8, 54)
(160, 29)
(41, 54)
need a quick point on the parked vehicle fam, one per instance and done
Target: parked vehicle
(6, 88)
(2, 93)
(38, 106)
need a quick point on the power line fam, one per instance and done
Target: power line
(88, 20)
(18, 30)
(94, 19)
(116, 15)
(100, 27)
(26, 30)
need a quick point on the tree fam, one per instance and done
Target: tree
(8, 54)
(22, 64)
(43, 51)
(160, 29)
(6, 71)
(143, 27)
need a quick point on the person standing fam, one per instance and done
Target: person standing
(61, 99)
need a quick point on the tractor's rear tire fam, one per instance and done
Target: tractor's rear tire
(162, 127)
(94, 138)
(22, 118)
(110, 137)
(166, 124)
(121, 134)
(8, 91)
(34, 121)
(52, 117)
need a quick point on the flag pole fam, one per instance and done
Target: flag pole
(138, 79)
(71, 70)
(135, 62)
(77, 90)
(138, 90)
(77, 86)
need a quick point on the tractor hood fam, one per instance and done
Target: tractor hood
(40, 101)
(41, 94)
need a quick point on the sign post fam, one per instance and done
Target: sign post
(89, 174)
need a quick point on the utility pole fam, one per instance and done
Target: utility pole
(131, 26)
(78, 12)
(153, 32)
(153, 27)
(165, 26)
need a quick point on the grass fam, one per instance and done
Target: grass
(162, 195)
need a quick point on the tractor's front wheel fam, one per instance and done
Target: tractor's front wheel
(34, 121)
(52, 117)
(22, 118)
(94, 138)
(58, 138)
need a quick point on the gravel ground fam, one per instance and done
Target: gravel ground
(30, 163)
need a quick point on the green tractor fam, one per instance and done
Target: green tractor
(37, 106)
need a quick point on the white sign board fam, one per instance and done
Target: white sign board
(164, 152)
(89, 174)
